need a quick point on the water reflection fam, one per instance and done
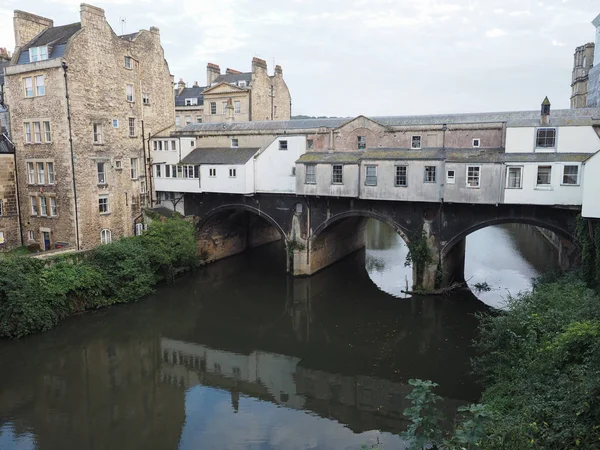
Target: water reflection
(506, 257)
(238, 356)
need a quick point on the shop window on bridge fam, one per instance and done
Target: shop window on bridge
(310, 176)
(514, 178)
(544, 176)
(473, 176)
(571, 175)
(371, 176)
(546, 138)
(400, 178)
(429, 174)
(337, 176)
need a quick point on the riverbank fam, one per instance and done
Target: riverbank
(37, 294)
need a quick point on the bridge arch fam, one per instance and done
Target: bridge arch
(230, 229)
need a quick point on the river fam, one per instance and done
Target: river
(241, 356)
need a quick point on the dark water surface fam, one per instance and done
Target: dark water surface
(242, 356)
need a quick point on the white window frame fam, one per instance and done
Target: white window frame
(398, 175)
(103, 205)
(132, 128)
(101, 172)
(115, 123)
(129, 93)
(40, 86)
(177, 121)
(127, 62)
(105, 236)
(520, 178)
(476, 143)
(43, 206)
(27, 127)
(28, 88)
(53, 208)
(37, 132)
(577, 175)
(47, 131)
(235, 143)
(34, 205)
(310, 174)
(475, 175)
(50, 172)
(412, 141)
(237, 107)
(213, 108)
(31, 176)
(450, 179)
(146, 99)
(537, 175)
(134, 166)
(188, 120)
(38, 53)
(432, 179)
(371, 180)
(40, 173)
(537, 138)
(337, 178)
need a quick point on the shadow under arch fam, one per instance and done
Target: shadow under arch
(360, 214)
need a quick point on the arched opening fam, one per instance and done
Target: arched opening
(230, 230)
(502, 257)
(382, 242)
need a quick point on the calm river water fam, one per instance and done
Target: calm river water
(241, 356)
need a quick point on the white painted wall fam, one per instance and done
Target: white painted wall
(177, 184)
(555, 194)
(520, 139)
(591, 187)
(578, 140)
(165, 156)
(323, 185)
(275, 168)
(242, 183)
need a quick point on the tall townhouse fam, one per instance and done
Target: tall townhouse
(234, 96)
(9, 209)
(82, 100)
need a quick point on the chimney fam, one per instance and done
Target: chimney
(4, 55)
(232, 72)
(212, 72)
(229, 110)
(91, 16)
(545, 111)
(180, 86)
(195, 84)
(278, 71)
(27, 26)
(259, 66)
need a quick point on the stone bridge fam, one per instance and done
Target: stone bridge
(319, 231)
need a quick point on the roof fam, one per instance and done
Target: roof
(223, 155)
(458, 155)
(233, 78)
(558, 117)
(331, 158)
(189, 92)
(56, 37)
(5, 145)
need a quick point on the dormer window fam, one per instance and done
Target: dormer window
(242, 83)
(191, 101)
(38, 53)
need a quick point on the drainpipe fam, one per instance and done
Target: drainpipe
(65, 67)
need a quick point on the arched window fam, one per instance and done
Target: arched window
(105, 237)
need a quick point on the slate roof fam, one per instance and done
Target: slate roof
(459, 155)
(558, 117)
(5, 145)
(224, 155)
(56, 37)
(233, 78)
(189, 92)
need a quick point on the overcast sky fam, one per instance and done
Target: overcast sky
(372, 57)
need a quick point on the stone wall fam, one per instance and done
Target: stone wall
(9, 217)
(97, 79)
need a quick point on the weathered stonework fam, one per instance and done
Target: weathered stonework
(9, 214)
(106, 127)
(583, 60)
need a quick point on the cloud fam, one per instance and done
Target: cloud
(495, 33)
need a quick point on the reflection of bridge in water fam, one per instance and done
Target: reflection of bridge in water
(361, 402)
(332, 344)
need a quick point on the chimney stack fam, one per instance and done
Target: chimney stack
(212, 72)
(195, 84)
(232, 72)
(91, 15)
(259, 65)
(180, 86)
(229, 110)
(545, 111)
(27, 26)
(278, 71)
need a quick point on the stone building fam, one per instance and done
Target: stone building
(593, 97)
(82, 100)
(4, 61)
(9, 212)
(583, 60)
(234, 96)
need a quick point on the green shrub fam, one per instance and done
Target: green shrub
(36, 294)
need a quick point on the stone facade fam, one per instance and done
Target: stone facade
(593, 97)
(234, 96)
(4, 61)
(583, 60)
(9, 213)
(119, 90)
